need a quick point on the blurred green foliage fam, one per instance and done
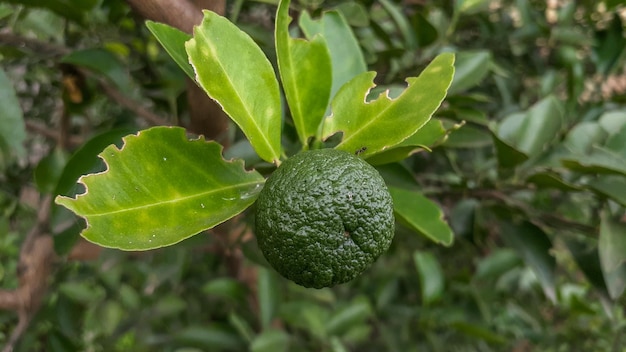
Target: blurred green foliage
(531, 179)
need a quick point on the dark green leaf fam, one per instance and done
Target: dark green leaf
(534, 246)
(105, 63)
(208, 338)
(345, 318)
(49, 170)
(549, 179)
(268, 296)
(610, 45)
(422, 215)
(12, 130)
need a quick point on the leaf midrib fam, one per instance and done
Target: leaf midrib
(181, 199)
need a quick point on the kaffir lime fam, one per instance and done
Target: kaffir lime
(323, 217)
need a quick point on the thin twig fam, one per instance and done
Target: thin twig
(48, 132)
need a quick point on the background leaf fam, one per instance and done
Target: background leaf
(159, 189)
(422, 215)
(306, 75)
(345, 53)
(430, 275)
(233, 70)
(173, 41)
(12, 130)
(370, 127)
(534, 246)
(612, 252)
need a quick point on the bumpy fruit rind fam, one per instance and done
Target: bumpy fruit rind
(323, 217)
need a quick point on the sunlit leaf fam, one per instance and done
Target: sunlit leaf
(612, 252)
(233, 70)
(173, 41)
(430, 134)
(305, 71)
(371, 127)
(159, 189)
(422, 215)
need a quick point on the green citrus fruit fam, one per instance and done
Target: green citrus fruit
(323, 217)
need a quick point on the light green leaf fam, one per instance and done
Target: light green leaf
(429, 135)
(12, 130)
(233, 70)
(371, 127)
(160, 189)
(173, 41)
(612, 252)
(305, 72)
(422, 215)
(431, 276)
(345, 53)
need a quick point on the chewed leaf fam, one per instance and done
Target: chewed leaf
(305, 71)
(160, 189)
(371, 127)
(233, 71)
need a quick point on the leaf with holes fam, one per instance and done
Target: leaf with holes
(160, 189)
(371, 127)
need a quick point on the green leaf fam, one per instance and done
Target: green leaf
(427, 136)
(549, 179)
(610, 44)
(600, 160)
(470, 68)
(105, 63)
(48, 171)
(70, 9)
(208, 338)
(12, 130)
(233, 70)
(610, 186)
(305, 72)
(532, 131)
(346, 317)
(270, 341)
(173, 41)
(430, 275)
(345, 53)
(160, 189)
(268, 296)
(612, 252)
(534, 246)
(508, 156)
(371, 127)
(421, 215)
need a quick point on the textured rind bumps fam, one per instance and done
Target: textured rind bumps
(323, 217)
